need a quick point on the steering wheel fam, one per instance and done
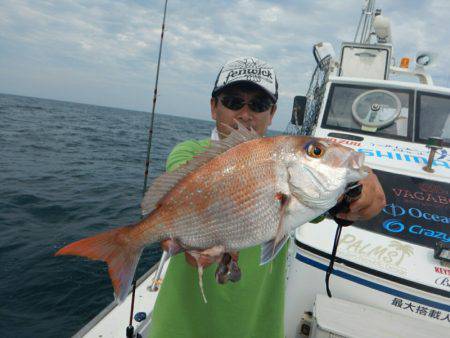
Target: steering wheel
(376, 109)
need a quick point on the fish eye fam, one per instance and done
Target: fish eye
(315, 150)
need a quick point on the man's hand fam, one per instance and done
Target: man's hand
(371, 202)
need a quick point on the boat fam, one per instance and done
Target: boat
(390, 276)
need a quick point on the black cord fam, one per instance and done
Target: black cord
(332, 259)
(352, 194)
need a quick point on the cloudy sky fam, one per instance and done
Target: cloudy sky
(105, 52)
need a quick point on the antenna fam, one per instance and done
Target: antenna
(362, 34)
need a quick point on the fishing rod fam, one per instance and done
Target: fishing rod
(155, 93)
(130, 328)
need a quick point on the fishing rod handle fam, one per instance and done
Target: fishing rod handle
(351, 195)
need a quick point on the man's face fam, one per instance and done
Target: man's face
(222, 114)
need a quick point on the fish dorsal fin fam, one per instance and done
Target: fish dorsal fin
(163, 184)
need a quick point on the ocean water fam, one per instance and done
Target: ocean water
(68, 171)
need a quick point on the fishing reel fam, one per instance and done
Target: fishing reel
(351, 194)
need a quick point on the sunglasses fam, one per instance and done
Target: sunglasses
(258, 105)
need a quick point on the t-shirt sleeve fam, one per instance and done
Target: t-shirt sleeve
(184, 152)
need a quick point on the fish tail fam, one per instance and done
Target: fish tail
(115, 247)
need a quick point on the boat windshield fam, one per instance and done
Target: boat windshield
(433, 117)
(375, 110)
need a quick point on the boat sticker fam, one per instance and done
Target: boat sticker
(389, 257)
(395, 152)
(345, 142)
(420, 309)
(417, 210)
(411, 158)
(440, 153)
(443, 282)
(442, 270)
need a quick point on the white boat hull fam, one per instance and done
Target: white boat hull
(306, 279)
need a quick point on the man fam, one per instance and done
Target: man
(246, 91)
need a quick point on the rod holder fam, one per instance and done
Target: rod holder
(434, 143)
(157, 278)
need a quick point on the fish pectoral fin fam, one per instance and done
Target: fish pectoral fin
(284, 202)
(270, 249)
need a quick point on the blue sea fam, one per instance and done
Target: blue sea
(67, 171)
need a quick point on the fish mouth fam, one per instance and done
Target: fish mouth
(357, 169)
(364, 170)
(361, 172)
(356, 161)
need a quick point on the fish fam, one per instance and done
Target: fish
(242, 191)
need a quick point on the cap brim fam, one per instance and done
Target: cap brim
(218, 90)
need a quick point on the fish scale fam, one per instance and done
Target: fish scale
(246, 210)
(228, 187)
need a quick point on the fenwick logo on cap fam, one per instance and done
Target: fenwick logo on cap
(247, 69)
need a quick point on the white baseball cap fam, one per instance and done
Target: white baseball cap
(247, 70)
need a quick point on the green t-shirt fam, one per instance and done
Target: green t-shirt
(252, 307)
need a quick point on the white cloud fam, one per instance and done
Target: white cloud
(88, 51)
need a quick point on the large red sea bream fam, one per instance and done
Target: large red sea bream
(243, 191)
